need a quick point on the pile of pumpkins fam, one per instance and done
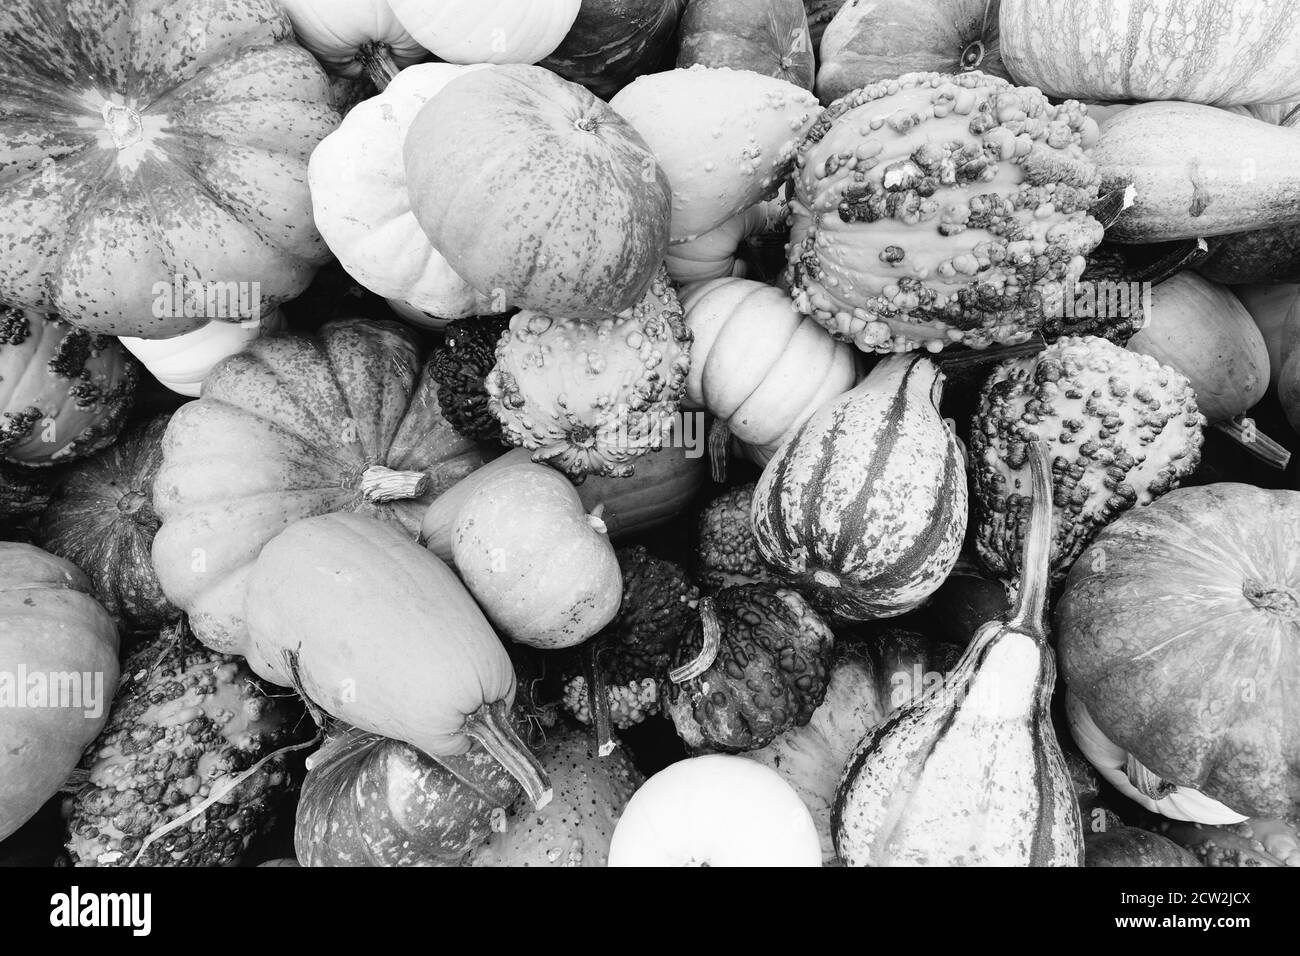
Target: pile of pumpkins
(240, 265)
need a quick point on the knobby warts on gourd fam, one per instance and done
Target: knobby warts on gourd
(935, 210)
(1122, 430)
(460, 367)
(725, 546)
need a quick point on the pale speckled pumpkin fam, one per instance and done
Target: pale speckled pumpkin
(145, 140)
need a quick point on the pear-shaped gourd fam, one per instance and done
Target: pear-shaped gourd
(973, 774)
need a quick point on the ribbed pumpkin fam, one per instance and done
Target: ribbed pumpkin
(1179, 630)
(973, 775)
(64, 392)
(354, 38)
(146, 141)
(758, 366)
(614, 41)
(865, 505)
(517, 225)
(295, 426)
(487, 31)
(182, 362)
(102, 520)
(769, 37)
(50, 628)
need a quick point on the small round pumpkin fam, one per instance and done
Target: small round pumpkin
(59, 651)
(769, 37)
(487, 31)
(182, 363)
(353, 38)
(614, 41)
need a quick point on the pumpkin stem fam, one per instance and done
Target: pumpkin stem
(379, 484)
(1184, 255)
(1035, 560)
(1146, 782)
(719, 436)
(597, 700)
(1291, 118)
(376, 58)
(708, 652)
(977, 358)
(596, 518)
(490, 727)
(135, 505)
(1242, 430)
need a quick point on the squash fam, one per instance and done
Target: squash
(717, 253)
(102, 520)
(294, 426)
(150, 143)
(1177, 631)
(758, 366)
(541, 568)
(371, 801)
(1193, 50)
(614, 41)
(1259, 841)
(869, 42)
(1129, 846)
(864, 507)
(182, 363)
(64, 392)
(973, 775)
(516, 227)
(1262, 255)
(768, 37)
(1198, 171)
(377, 632)
(59, 648)
(820, 14)
(1276, 311)
(715, 810)
(487, 31)
(353, 38)
(698, 121)
(360, 201)
(575, 828)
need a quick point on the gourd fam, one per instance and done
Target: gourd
(869, 43)
(371, 801)
(864, 507)
(64, 392)
(1068, 50)
(725, 553)
(377, 632)
(715, 810)
(758, 366)
(514, 227)
(539, 565)
(127, 164)
(768, 37)
(1260, 255)
(1198, 171)
(1275, 309)
(293, 426)
(102, 520)
(1177, 631)
(1259, 841)
(1129, 846)
(614, 41)
(973, 775)
(353, 38)
(182, 363)
(49, 625)
(24, 492)
(717, 253)
(487, 31)
(362, 208)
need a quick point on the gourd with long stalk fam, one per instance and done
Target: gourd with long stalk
(973, 774)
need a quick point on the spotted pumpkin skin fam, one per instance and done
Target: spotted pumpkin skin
(140, 141)
(865, 507)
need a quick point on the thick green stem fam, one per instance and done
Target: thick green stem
(490, 727)
(1242, 430)
(1035, 563)
(377, 59)
(708, 651)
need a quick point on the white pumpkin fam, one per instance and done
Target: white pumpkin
(488, 31)
(354, 37)
(182, 362)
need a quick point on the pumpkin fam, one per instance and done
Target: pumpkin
(102, 520)
(614, 41)
(1129, 846)
(716, 253)
(973, 774)
(1177, 631)
(758, 366)
(869, 42)
(575, 828)
(294, 426)
(529, 240)
(864, 506)
(541, 568)
(378, 633)
(715, 810)
(371, 801)
(149, 142)
(1275, 309)
(1176, 156)
(360, 201)
(698, 121)
(64, 392)
(1261, 255)
(1189, 50)
(353, 39)
(487, 31)
(769, 37)
(59, 648)
(182, 363)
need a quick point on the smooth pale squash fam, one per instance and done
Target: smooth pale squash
(182, 363)
(1276, 311)
(487, 31)
(769, 37)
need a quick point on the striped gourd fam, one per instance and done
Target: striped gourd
(972, 774)
(864, 507)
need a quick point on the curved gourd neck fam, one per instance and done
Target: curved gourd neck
(1030, 611)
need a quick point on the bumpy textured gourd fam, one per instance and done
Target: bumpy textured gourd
(973, 775)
